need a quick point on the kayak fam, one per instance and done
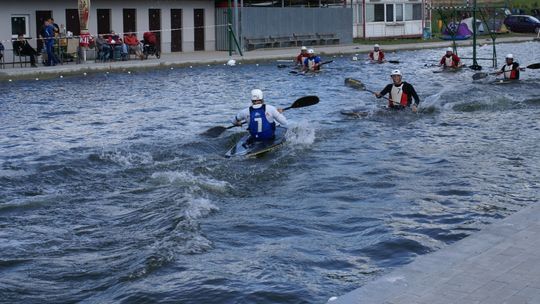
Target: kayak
(354, 113)
(449, 70)
(241, 148)
(504, 81)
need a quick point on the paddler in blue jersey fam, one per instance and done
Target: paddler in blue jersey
(401, 93)
(261, 118)
(312, 63)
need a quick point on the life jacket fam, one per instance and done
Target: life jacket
(399, 98)
(510, 72)
(311, 63)
(376, 55)
(448, 61)
(259, 126)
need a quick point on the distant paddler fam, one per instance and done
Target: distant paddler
(261, 118)
(301, 57)
(312, 63)
(450, 60)
(401, 93)
(376, 55)
(510, 70)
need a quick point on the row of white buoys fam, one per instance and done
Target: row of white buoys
(231, 62)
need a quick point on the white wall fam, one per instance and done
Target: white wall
(58, 8)
(398, 29)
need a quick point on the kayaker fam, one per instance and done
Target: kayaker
(510, 69)
(302, 56)
(401, 93)
(450, 60)
(376, 54)
(312, 62)
(261, 118)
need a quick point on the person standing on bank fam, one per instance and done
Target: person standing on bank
(261, 118)
(510, 69)
(401, 93)
(49, 44)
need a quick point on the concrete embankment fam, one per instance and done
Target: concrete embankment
(213, 57)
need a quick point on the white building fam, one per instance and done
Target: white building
(387, 18)
(184, 25)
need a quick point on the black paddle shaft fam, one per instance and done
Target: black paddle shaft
(299, 103)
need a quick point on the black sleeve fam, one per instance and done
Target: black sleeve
(386, 90)
(515, 66)
(412, 92)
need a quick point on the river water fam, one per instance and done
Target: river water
(109, 194)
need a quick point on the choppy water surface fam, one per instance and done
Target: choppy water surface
(110, 195)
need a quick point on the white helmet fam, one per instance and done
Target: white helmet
(450, 49)
(509, 56)
(303, 48)
(395, 72)
(256, 94)
(310, 51)
(376, 46)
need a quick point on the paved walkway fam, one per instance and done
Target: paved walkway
(499, 264)
(200, 58)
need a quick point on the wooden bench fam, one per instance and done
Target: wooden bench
(283, 41)
(256, 43)
(305, 39)
(328, 38)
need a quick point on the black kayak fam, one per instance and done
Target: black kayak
(241, 148)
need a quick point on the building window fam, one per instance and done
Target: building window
(19, 25)
(399, 12)
(417, 12)
(375, 13)
(389, 13)
(413, 11)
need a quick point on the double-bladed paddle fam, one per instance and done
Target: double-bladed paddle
(303, 72)
(305, 101)
(482, 75)
(357, 84)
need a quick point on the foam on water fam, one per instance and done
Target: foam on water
(301, 134)
(187, 178)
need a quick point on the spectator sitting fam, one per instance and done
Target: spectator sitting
(22, 48)
(115, 42)
(102, 46)
(125, 51)
(134, 45)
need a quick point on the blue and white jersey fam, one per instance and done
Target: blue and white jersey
(311, 61)
(261, 126)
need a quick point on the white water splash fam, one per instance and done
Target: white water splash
(301, 133)
(189, 179)
(199, 207)
(127, 159)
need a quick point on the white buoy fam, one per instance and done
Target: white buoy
(191, 67)
(37, 78)
(172, 68)
(10, 80)
(129, 72)
(61, 76)
(355, 58)
(231, 62)
(84, 73)
(256, 64)
(332, 299)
